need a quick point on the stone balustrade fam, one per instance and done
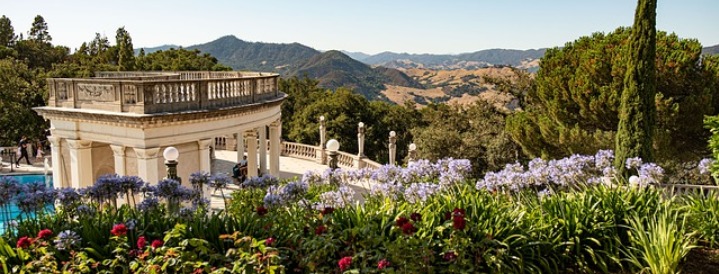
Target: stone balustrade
(681, 189)
(162, 92)
(345, 159)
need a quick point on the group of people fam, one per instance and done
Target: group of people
(22, 151)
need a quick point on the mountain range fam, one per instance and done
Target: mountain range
(366, 74)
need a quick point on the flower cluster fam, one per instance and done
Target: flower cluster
(458, 219)
(407, 226)
(343, 197)
(67, 240)
(704, 166)
(345, 263)
(263, 181)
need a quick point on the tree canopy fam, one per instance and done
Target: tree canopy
(573, 106)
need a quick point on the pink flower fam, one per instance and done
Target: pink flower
(141, 242)
(44, 234)
(24, 242)
(384, 263)
(345, 263)
(269, 241)
(156, 243)
(119, 230)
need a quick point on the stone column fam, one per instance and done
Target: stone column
(81, 168)
(263, 148)
(360, 139)
(120, 159)
(148, 164)
(58, 168)
(275, 148)
(230, 142)
(203, 150)
(392, 147)
(251, 139)
(322, 152)
(240, 146)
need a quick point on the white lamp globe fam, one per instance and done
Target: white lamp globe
(322, 117)
(171, 154)
(392, 133)
(412, 146)
(333, 145)
(361, 124)
(633, 180)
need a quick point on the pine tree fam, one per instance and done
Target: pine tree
(637, 113)
(39, 31)
(125, 50)
(7, 32)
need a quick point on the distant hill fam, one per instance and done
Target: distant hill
(257, 56)
(472, 60)
(359, 56)
(713, 50)
(154, 49)
(334, 69)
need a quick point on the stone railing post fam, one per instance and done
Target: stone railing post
(322, 152)
(359, 161)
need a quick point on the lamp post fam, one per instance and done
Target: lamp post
(171, 154)
(332, 147)
(321, 153)
(412, 152)
(392, 147)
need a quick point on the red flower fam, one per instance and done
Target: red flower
(141, 242)
(345, 263)
(119, 230)
(384, 263)
(320, 230)
(156, 243)
(261, 210)
(415, 217)
(43, 234)
(328, 210)
(458, 212)
(458, 223)
(269, 241)
(24, 242)
(408, 228)
(401, 221)
(450, 256)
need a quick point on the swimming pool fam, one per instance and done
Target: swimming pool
(14, 212)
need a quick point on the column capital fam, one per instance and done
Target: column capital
(147, 153)
(204, 143)
(55, 141)
(276, 123)
(250, 134)
(79, 144)
(118, 150)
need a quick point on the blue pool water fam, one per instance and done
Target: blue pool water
(14, 211)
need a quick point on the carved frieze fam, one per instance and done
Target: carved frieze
(95, 92)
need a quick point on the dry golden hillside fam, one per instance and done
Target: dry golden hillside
(495, 85)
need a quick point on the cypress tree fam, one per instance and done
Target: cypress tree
(637, 113)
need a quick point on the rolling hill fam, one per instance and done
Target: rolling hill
(257, 56)
(713, 50)
(472, 60)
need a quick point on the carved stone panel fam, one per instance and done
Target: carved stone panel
(96, 92)
(61, 91)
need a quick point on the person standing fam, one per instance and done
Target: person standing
(22, 147)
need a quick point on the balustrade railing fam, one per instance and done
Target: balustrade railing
(298, 150)
(345, 159)
(680, 189)
(148, 93)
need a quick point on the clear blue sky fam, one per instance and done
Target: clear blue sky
(416, 26)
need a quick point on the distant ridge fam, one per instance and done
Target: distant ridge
(713, 50)
(257, 56)
(154, 49)
(472, 60)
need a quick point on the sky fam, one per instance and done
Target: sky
(370, 26)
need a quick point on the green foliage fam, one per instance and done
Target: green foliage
(574, 104)
(637, 112)
(125, 51)
(179, 59)
(20, 89)
(474, 132)
(7, 32)
(659, 242)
